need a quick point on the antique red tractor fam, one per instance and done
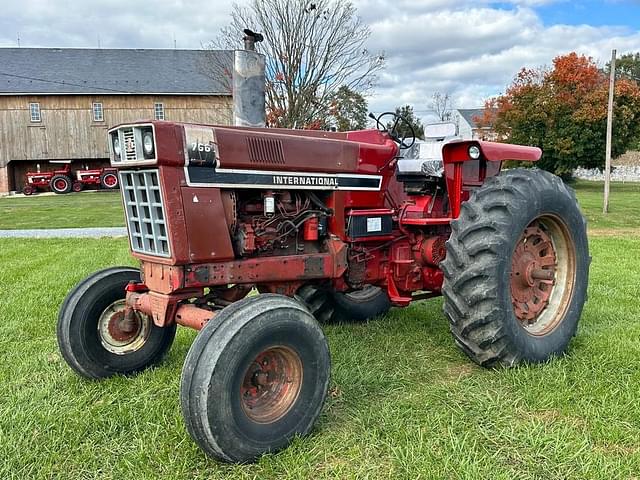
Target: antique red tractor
(58, 181)
(322, 227)
(106, 178)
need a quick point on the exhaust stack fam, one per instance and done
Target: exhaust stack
(249, 83)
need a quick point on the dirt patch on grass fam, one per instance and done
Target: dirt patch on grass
(551, 416)
(617, 449)
(453, 373)
(613, 232)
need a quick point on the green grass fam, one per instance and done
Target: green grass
(86, 209)
(404, 403)
(624, 206)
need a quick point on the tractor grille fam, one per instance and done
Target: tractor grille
(129, 145)
(265, 150)
(145, 212)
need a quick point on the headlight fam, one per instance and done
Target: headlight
(147, 143)
(116, 145)
(474, 152)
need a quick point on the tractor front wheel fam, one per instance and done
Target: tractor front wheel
(96, 339)
(60, 184)
(28, 190)
(516, 270)
(329, 306)
(255, 377)
(77, 187)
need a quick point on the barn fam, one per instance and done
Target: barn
(56, 104)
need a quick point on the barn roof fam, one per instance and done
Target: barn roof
(112, 71)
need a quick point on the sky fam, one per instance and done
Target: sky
(470, 49)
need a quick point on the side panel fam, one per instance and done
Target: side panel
(206, 223)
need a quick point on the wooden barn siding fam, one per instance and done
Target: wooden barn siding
(67, 129)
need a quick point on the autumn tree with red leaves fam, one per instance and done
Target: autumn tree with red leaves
(563, 110)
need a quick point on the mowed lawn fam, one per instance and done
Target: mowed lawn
(404, 402)
(85, 209)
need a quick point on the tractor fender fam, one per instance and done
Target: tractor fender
(462, 171)
(458, 151)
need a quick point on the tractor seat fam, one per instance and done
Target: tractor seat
(424, 158)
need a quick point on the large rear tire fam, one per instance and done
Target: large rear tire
(109, 181)
(516, 270)
(255, 377)
(357, 306)
(92, 335)
(60, 184)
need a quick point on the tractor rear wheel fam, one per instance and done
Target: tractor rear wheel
(109, 181)
(329, 306)
(93, 335)
(516, 270)
(255, 377)
(60, 184)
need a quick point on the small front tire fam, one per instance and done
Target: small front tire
(92, 336)
(255, 377)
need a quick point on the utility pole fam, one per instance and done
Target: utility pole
(607, 166)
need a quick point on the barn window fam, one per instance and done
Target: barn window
(98, 116)
(158, 110)
(34, 108)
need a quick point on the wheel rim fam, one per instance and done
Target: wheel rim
(364, 295)
(120, 336)
(60, 184)
(542, 277)
(271, 384)
(110, 180)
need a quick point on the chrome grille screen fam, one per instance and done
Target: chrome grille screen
(145, 213)
(129, 144)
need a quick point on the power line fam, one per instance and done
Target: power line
(59, 82)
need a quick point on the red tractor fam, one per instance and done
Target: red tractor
(106, 178)
(323, 227)
(58, 181)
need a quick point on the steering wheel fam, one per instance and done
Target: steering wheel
(402, 140)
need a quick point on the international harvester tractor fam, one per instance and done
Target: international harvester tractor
(255, 237)
(60, 180)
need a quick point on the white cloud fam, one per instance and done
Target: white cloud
(469, 48)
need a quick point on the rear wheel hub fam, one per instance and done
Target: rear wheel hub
(542, 272)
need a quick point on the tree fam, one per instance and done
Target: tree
(406, 112)
(442, 106)
(347, 110)
(627, 66)
(311, 49)
(563, 110)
